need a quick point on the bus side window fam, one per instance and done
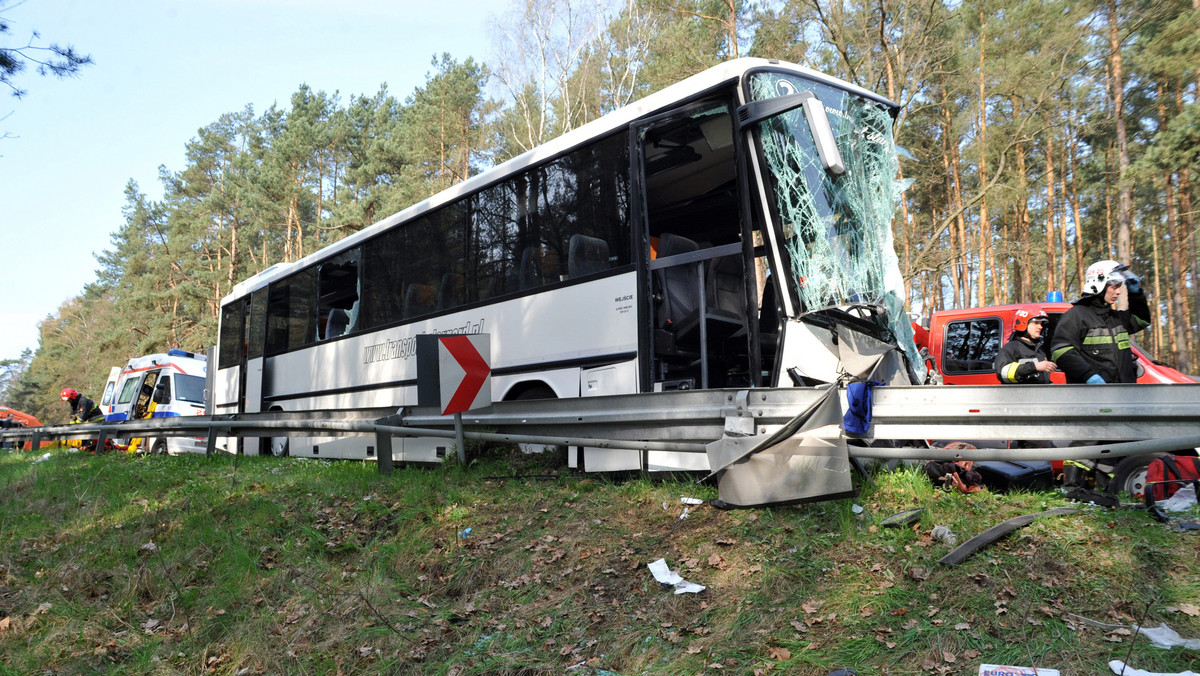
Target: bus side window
(337, 295)
(233, 317)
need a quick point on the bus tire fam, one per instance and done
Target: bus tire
(159, 447)
(281, 446)
(1129, 476)
(558, 453)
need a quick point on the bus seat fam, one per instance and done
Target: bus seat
(727, 287)
(531, 269)
(491, 289)
(678, 282)
(336, 323)
(450, 291)
(586, 255)
(418, 300)
(681, 290)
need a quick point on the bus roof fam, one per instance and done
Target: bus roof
(618, 119)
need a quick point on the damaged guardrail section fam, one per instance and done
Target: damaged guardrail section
(787, 438)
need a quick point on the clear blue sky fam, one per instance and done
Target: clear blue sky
(164, 69)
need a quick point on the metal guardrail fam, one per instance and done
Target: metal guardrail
(1150, 417)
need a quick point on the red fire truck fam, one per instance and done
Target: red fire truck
(960, 348)
(962, 344)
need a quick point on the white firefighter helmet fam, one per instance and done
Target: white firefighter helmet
(1102, 274)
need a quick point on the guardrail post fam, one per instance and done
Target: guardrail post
(211, 446)
(383, 443)
(459, 439)
(36, 442)
(100, 439)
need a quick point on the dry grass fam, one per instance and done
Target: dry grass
(192, 566)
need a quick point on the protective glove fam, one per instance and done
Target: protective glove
(1095, 379)
(1132, 283)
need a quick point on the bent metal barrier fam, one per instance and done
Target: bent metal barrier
(1150, 418)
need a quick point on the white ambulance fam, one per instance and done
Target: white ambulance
(159, 386)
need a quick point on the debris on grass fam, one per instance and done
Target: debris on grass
(1121, 669)
(669, 578)
(1161, 636)
(1005, 670)
(902, 519)
(996, 532)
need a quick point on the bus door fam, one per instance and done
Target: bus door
(253, 364)
(688, 200)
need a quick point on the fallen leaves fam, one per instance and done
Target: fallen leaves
(779, 654)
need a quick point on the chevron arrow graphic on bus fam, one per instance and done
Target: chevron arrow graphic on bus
(475, 376)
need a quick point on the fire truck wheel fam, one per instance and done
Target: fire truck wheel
(1130, 473)
(159, 447)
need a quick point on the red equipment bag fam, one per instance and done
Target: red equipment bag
(1173, 471)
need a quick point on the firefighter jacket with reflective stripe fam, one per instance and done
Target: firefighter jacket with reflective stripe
(84, 409)
(1092, 338)
(1017, 362)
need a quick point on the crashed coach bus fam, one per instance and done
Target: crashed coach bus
(730, 231)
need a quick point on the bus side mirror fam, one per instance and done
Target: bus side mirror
(160, 394)
(818, 124)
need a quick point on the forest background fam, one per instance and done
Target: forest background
(1041, 135)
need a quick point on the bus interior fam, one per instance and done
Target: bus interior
(702, 336)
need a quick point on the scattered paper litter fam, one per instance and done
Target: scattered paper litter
(1161, 636)
(670, 578)
(1006, 670)
(1119, 667)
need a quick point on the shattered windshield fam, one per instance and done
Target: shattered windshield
(837, 229)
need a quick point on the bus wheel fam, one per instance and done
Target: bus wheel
(159, 447)
(280, 446)
(1129, 476)
(558, 453)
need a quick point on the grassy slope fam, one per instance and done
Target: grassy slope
(189, 565)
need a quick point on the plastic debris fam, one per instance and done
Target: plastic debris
(1161, 636)
(685, 513)
(1005, 670)
(1121, 669)
(669, 578)
(464, 533)
(1183, 500)
(901, 519)
(691, 501)
(42, 459)
(857, 509)
(944, 534)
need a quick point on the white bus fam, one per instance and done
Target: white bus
(732, 230)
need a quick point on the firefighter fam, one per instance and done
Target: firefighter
(1091, 341)
(1091, 345)
(82, 409)
(1023, 358)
